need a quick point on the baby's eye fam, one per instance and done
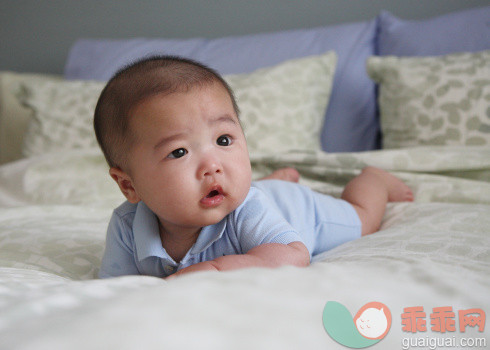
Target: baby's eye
(224, 140)
(180, 152)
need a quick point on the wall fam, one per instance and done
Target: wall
(35, 35)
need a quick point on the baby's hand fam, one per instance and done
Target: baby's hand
(266, 255)
(203, 266)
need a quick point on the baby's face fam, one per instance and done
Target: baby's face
(190, 162)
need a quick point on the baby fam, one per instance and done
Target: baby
(170, 132)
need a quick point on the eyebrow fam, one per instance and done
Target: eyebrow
(168, 139)
(223, 118)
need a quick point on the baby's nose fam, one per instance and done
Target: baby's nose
(210, 165)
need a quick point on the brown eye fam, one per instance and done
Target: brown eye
(178, 153)
(223, 140)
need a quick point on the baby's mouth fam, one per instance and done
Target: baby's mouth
(213, 193)
(214, 197)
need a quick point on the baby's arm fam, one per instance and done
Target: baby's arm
(265, 255)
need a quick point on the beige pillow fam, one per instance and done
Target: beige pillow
(282, 108)
(442, 100)
(62, 115)
(13, 116)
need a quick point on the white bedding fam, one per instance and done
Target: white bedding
(53, 215)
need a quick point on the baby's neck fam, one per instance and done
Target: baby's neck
(177, 244)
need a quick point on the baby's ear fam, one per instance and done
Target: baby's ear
(125, 184)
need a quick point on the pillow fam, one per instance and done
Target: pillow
(463, 31)
(443, 100)
(62, 115)
(347, 126)
(282, 108)
(13, 116)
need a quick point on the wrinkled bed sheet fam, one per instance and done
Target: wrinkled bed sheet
(54, 212)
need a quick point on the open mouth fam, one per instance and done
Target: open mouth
(214, 197)
(213, 193)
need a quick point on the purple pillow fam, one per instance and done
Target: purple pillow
(350, 122)
(461, 31)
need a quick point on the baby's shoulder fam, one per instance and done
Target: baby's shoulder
(272, 194)
(281, 190)
(125, 209)
(124, 214)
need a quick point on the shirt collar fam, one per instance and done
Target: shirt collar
(147, 236)
(208, 235)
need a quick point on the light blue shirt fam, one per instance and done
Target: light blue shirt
(273, 212)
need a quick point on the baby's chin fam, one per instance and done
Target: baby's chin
(214, 216)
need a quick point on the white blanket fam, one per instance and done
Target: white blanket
(431, 253)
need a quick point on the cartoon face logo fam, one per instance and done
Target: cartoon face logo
(372, 323)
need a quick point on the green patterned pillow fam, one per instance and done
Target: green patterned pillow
(442, 100)
(62, 115)
(282, 108)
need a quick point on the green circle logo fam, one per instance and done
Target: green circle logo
(371, 324)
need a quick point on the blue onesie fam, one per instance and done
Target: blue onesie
(274, 211)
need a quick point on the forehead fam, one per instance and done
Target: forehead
(210, 101)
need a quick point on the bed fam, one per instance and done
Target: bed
(316, 99)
